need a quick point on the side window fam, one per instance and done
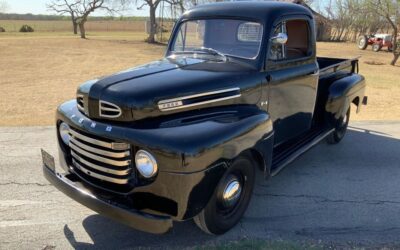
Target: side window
(298, 43)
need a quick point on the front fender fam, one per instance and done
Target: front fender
(209, 146)
(343, 92)
(193, 150)
(223, 139)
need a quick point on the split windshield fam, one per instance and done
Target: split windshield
(219, 38)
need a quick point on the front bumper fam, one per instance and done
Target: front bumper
(133, 218)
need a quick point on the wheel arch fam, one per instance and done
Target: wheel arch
(343, 92)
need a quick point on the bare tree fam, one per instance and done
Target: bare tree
(390, 10)
(81, 9)
(153, 5)
(63, 7)
(4, 6)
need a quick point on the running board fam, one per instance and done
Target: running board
(301, 150)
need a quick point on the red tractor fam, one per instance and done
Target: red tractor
(378, 41)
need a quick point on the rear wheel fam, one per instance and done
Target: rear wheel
(340, 129)
(362, 42)
(376, 47)
(230, 199)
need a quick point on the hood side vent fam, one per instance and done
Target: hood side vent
(109, 110)
(81, 105)
(199, 99)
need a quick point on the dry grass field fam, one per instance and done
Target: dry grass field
(39, 71)
(63, 26)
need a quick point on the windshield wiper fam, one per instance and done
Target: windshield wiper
(212, 52)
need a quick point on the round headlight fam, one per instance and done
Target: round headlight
(146, 164)
(64, 133)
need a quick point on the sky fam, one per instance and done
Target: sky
(39, 7)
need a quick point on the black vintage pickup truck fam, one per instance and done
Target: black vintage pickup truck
(239, 93)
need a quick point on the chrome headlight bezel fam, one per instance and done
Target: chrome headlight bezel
(146, 164)
(63, 131)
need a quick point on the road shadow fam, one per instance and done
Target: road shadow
(295, 205)
(107, 234)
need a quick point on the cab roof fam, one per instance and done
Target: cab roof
(262, 11)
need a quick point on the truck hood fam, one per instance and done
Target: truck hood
(169, 86)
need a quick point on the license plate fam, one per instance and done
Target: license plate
(48, 161)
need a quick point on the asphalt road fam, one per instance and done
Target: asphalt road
(343, 194)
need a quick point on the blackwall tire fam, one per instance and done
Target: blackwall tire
(218, 217)
(340, 129)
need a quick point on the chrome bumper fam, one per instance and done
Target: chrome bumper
(133, 218)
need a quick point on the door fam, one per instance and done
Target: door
(292, 75)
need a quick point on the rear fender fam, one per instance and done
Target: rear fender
(343, 92)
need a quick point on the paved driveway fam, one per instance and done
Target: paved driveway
(337, 194)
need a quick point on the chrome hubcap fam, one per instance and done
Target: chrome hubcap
(231, 193)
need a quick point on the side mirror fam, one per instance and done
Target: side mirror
(281, 38)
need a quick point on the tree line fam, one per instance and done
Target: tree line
(79, 10)
(40, 17)
(351, 19)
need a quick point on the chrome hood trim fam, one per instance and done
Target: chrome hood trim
(202, 99)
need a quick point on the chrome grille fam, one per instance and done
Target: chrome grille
(109, 110)
(100, 158)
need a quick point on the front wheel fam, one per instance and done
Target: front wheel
(376, 47)
(230, 199)
(340, 129)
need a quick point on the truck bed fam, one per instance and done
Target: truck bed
(331, 65)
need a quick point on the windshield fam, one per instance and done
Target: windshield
(219, 37)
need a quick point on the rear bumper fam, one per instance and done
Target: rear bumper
(133, 218)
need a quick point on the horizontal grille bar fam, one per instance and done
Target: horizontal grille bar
(99, 158)
(99, 151)
(104, 144)
(100, 168)
(99, 176)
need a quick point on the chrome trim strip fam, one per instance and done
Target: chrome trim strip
(117, 109)
(99, 176)
(180, 99)
(202, 103)
(100, 168)
(98, 142)
(99, 151)
(99, 158)
(198, 95)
